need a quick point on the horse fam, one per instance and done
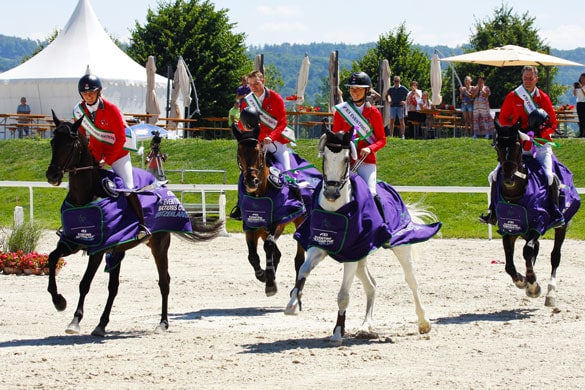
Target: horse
(344, 196)
(90, 188)
(525, 209)
(270, 201)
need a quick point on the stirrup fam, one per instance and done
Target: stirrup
(143, 233)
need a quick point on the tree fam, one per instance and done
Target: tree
(406, 60)
(506, 28)
(214, 54)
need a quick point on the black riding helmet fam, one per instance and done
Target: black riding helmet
(537, 118)
(359, 79)
(89, 82)
(250, 118)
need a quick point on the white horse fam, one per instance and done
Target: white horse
(335, 193)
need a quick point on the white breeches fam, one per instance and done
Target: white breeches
(281, 152)
(123, 168)
(368, 173)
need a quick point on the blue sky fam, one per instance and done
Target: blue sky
(448, 22)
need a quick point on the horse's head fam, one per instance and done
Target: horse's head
(336, 149)
(251, 160)
(509, 149)
(67, 146)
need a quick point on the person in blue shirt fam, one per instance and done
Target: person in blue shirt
(396, 96)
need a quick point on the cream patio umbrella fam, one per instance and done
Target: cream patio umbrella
(386, 84)
(152, 106)
(436, 80)
(334, 93)
(181, 86)
(259, 63)
(510, 55)
(303, 79)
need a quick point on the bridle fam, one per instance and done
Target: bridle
(343, 180)
(250, 170)
(74, 155)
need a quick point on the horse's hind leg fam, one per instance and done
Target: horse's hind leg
(113, 285)
(84, 285)
(160, 248)
(349, 271)
(404, 255)
(369, 284)
(555, 260)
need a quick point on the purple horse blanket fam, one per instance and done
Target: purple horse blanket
(108, 222)
(357, 228)
(535, 211)
(281, 203)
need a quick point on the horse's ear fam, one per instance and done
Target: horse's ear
(77, 123)
(323, 141)
(256, 131)
(236, 131)
(55, 119)
(324, 126)
(347, 138)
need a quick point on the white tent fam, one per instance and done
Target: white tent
(49, 79)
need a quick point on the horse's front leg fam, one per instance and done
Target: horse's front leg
(349, 271)
(404, 255)
(555, 260)
(508, 242)
(59, 300)
(314, 257)
(253, 257)
(84, 285)
(530, 253)
(272, 252)
(369, 284)
(113, 285)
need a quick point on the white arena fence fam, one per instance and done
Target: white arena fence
(222, 188)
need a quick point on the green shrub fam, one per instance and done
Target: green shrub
(24, 237)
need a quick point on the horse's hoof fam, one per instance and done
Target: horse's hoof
(291, 309)
(73, 328)
(60, 302)
(533, 290)
(271, 290)
(424, 327)
(98, 332)
(337, 337)
(550, 302)
(161, 328)
(521, 284)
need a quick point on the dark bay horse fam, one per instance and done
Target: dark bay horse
(269, 204)
(524, 209)
(346, 224)
(71, 154)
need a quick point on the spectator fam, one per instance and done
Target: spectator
(396, 96)
(23, 108)
(579, 93)
(243, 89)
(412, 102)
(467, 106)
(482, 117)
(234, 113)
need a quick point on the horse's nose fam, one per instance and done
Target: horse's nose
(53, 177)
(331, 192)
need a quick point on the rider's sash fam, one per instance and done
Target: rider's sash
(526, 97)
(102, 135)
(268, 120)
(352, 116)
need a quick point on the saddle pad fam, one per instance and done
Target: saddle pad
(84, 225)
(512, 218)
(328, 230)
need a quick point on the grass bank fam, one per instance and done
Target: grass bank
(440, 162)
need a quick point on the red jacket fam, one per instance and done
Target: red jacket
(373, 116)
(109, 118)
(513, 110)
(274, 105)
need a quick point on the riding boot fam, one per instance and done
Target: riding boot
(553, 192)
(134, 202)
(236, 212)
(296, 191)
(490, 217)
(380, 207)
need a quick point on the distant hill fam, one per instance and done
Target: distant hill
(287, 59)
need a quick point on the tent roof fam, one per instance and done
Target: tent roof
(83, 42)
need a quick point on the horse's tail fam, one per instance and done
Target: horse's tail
(202, 231)
(421, 214)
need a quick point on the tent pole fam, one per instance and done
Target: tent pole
(168, 91)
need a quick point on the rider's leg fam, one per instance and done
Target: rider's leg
(490, 217)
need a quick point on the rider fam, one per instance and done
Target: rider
(274, 133)
(365, 120)
(532, 108)
(107, 135)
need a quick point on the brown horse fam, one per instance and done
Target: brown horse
(255, 173)
(517, 177)
(71, 154)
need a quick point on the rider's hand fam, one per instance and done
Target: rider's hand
(267, 140)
